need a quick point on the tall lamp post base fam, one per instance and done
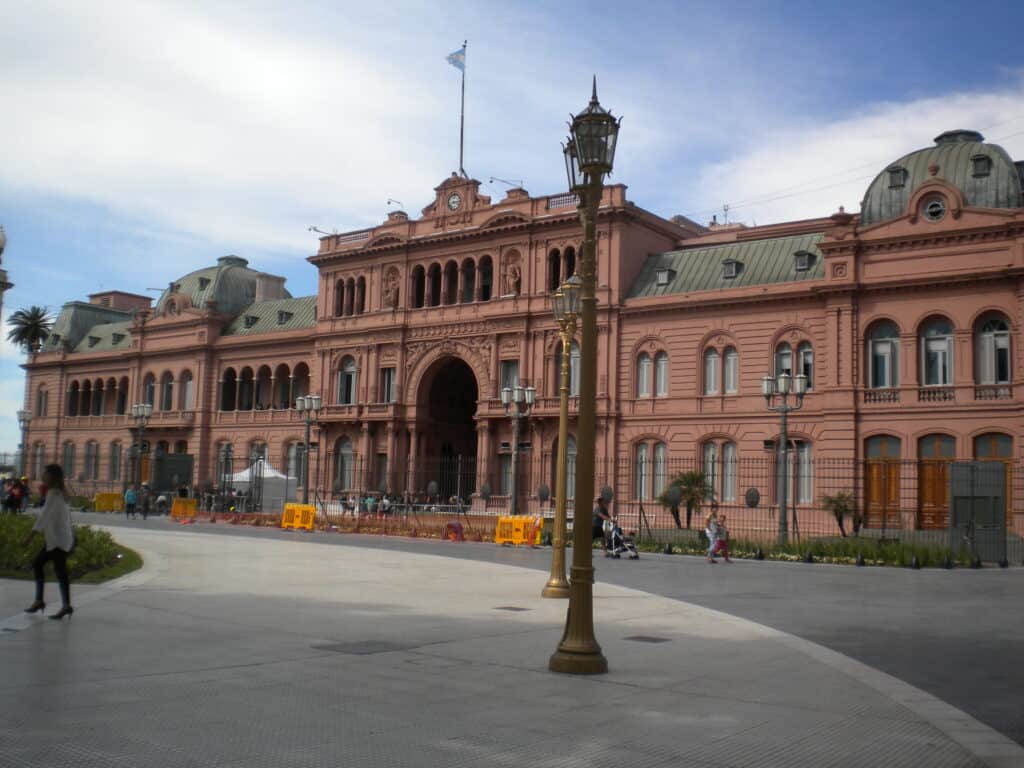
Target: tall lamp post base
(579, 652)
(555, 588)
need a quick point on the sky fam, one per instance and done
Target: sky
(140, 140)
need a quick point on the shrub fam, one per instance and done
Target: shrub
(94, 549)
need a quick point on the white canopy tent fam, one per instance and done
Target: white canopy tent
(277, 488)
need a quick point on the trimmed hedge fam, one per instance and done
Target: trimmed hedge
(95, 552)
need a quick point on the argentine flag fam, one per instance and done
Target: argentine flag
(457, 59)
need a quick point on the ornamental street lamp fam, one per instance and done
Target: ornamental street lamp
(24, 418)
(589, 155)
(783, 386)
(517, 401)
(141, 414)
(227, 456)
(565, 304)
(309, 407)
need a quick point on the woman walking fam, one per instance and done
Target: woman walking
(711, 531)
(54, 522)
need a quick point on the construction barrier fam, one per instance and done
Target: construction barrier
(108, 502)
(518, 529)
(183, 508)
(298, 516)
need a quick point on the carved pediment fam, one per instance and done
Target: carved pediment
(506, 218)
(385, 239)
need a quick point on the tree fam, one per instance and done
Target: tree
(841, 505)
(29, 328)
(692, 488)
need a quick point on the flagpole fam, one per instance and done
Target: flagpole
(462, 109)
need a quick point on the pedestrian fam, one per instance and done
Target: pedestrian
(145, 500)
(161, 504)
(130, 499)
(54, 522)
(711, 531)
(385, 505)
(597, 525)
(722, 547)
(18, 492)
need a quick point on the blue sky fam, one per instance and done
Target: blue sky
(144, 139)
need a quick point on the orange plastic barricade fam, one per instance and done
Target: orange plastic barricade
(298, 516)
(518, 529)
(183, 508)
(108, 502)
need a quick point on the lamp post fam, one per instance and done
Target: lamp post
(784, 386)
(309, 407)
(24, 419)
(589, 156)
(517, 401)
(141, 413)
(565, 305)
(227, 455)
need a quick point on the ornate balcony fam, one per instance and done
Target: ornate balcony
(936, 394)
(268, 416)
(887, 395)
(994, 392)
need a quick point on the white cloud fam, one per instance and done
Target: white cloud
(811, 169)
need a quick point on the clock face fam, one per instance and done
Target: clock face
(454, 201)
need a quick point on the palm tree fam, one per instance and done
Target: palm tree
(29, 328)
(693, 489)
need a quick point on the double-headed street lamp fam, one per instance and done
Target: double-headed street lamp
(24, 419)
(517, 401)
(141, 414)
(565, 304)
(784, 386)
(589, 156)
(309, 407)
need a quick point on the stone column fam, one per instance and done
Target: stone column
(483, 449)
(367, 452)
(238, 392)
(495, 368)
(909, 355)
(389, 474)
(414, 449)
(461, 286)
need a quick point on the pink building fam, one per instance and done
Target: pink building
(906, 318)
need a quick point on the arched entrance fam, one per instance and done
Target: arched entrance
(446, 409)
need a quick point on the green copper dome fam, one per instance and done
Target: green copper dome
(985, 174)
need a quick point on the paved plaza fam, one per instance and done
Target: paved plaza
(252, 651)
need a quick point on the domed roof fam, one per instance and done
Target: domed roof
(231, 284)
(958, 157)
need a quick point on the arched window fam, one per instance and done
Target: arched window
(783, 359)
(38, 460)
(122, 396)
(228, 390)
(73, 395)
(731, 371)
(67, 459)
(644, 369)
(360, 295)
(344, 464)
(167, 392)
(187, 391)
(246, 389)
(86, 408)
(570, 262)
(451, 283)
(434, 285)
(729, 467)
(992, 352)
(41, 404)
(660, 468)
(149, 389)
(643, 472)
(937, 353)
(91, 469)
(993, 446)
(710, 466)
(350, 296)
(468, 282)
(299, 382)
(554, 270)
(882, 447)
(711, 371)
(805, 362)
(486, 276)
(574, 368)
(339, 297)
(293, 466)
(97, 398)
(661, 374)
(181, 447)
(418, 288)
(114, 471)
(804, 481)
(884, 355)
(347, 382)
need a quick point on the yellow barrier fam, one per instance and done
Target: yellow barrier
(298, 516)
(183, 508)
(518, 529)
(108, 502)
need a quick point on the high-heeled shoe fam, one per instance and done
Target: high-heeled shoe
(67, 610)
(36, 606)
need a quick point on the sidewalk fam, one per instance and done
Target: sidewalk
(245, 652)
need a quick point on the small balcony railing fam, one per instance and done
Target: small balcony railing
(994, 392)
(936, 395)
(887, 395)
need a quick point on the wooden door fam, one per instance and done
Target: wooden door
(882, 497)
(935, 453)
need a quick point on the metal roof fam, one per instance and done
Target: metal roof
(75, 321)
(952, 153)
(274, 316)
(101, 338)
(231, 284)
(762, 262)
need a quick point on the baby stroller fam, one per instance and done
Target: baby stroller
(619, 543)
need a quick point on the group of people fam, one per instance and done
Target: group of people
(15, 494)
(718, 535)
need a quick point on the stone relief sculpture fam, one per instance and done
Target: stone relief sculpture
(513, 279)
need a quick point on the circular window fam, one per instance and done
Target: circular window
(934, 208)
